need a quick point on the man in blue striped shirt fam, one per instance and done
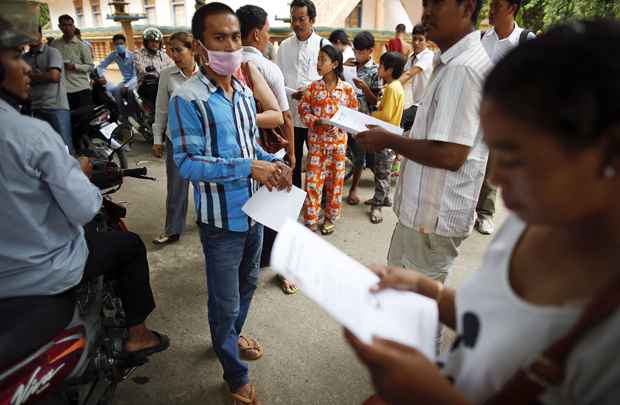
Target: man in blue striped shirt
(212, 122)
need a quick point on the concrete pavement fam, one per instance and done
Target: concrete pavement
(306, 359)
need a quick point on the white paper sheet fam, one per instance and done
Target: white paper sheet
(280, 154)
(274, 208)
(108, 129)
(340, 285)
(355, 122)
(350, 73)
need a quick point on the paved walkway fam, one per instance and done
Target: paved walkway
(306, 359)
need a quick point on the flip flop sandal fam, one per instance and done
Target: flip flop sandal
(166, 239)
(251, 351)
(372, 201)
(287, 290)
(241, 400)
(328, 229)
(164, 343)
(375, 216)
(353, 201)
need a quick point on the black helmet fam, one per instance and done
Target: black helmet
(152, 34)
(10, 37)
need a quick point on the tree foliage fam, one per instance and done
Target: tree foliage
(44, 15)
(540, 14)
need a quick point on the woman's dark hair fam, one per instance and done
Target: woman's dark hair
(183, 37)
(251, 18)
(309, 6)
(364, 40)
(198, 20)
(339, 36)
(401, 28)
(418, 30)
(541, 82)
(116, 37)
(335, 56)
(394, 61)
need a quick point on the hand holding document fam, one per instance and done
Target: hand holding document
(341, 286)
(294, 94)
(350, 73)
(274, 208)
(354, 122)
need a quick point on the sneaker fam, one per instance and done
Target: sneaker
(485, 226)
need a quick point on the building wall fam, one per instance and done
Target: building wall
(337, 10)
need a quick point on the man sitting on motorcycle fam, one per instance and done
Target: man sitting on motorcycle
(150, 60)
(124, 59)
(45, 200)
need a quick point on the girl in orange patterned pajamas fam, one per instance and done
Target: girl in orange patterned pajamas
(327, 145)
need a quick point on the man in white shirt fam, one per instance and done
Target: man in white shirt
(445, 155)
(254, 26)
(418, 70)
(504, 36)
(297, 58)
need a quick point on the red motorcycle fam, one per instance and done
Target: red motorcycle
(66, 349)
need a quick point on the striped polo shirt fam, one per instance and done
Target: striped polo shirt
(214, 143)
(438, 201)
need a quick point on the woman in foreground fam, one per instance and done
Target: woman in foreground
(553, 124)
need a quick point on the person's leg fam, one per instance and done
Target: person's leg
(61, 123)
(430, 254)
(177, 193)
(223, 252)
(359, 159)
(335, 174)
(248, 273)
(269, 237)
(122, 256)
(64, 119)
(80, 99)
(314, 182)
(382, 169)
(301, 136)
(74, 101)
(486, 204)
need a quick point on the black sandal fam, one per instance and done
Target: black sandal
(166, 239)
(164, 343)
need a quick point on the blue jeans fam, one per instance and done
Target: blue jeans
(114, 91)
(60, 120)
(232, 261)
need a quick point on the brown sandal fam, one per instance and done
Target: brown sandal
(250, 350)
(241, 400)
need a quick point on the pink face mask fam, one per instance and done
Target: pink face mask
(223, 63)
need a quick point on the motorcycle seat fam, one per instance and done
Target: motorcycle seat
(30, 322)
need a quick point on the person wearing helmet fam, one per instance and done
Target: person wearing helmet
(151, 58)
(46, 195)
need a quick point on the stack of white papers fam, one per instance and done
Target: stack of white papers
(274, 208)
(340, 285)
(354, 122)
